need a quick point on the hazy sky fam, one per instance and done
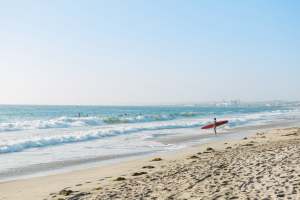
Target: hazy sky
(120, 52)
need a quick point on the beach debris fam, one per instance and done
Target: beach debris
(138, 173)
(289, 134)
(249, 144)
(97, 188)
(148, 167)
(209, 150)
(78, 185)
(194, 157)
(119, 179)
(263, 136)
(156, 159)
(225, 143)
(199, 153)
(65, 192)
(228, 147)
(193, 161)
(245, 138)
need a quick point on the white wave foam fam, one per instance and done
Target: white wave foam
(65, 122)
(19, 144)
(149, 118)
(62, 122)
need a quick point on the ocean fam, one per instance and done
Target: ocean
(38, 140)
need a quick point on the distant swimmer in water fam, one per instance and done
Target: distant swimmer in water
(125, 113)
(215, 126)
(140, 113)
(121, 115)
(78, 114)
(86, 115)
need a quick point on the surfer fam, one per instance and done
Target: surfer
(78, 114)
(86, 115)
(215, 125)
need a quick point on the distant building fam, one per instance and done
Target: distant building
(234, 102)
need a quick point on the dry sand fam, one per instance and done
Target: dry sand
(262, 166)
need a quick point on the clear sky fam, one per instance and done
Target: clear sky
(122, 52)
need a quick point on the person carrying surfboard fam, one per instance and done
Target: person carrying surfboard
(215, 125)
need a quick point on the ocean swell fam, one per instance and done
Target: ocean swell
(65, 122)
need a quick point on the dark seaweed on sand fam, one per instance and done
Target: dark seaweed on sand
(65, 192)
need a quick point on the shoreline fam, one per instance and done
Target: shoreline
(83, 181)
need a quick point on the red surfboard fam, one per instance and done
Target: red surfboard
(212, 125)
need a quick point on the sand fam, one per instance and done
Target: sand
(262, 166)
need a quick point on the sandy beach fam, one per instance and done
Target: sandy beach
(262, 166)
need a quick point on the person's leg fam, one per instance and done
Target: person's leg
(215, 130)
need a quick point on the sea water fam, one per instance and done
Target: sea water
(38, 140)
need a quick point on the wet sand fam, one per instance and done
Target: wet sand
(262, 166)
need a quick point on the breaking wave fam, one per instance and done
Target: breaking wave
(65, 122)
(21, 143)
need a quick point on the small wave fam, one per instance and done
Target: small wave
(149, 118)
(62, 122)
(65, 122)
